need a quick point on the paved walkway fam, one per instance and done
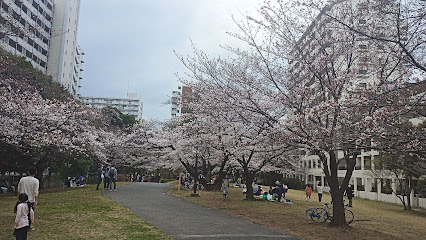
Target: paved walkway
(182, 219)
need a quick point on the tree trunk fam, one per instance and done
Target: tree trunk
(410, 188)
(249, 185)
(336, 190)
(338, 210)
(222, 173)
(196, 175)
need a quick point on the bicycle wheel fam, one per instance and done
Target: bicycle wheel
(349, 216)
(309, 213)
(319, 215)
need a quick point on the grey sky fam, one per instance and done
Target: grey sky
(129, 44)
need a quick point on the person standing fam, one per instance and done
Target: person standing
(308, 192)
(112, 177)
(24, 217)
(30, 186)
(99, 173)
(320, 190)
(225, 188)
(106, 178)
(350, 194)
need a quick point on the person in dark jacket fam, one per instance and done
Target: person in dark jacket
(280, 192)
(350, 194)
(99, 174)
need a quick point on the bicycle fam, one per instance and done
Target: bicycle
(325, 213)
(319, 214)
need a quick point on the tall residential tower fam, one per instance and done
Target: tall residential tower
(45, 32)
(65, 56)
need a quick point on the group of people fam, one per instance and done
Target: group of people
(145, 177)
(349, 192)
(108, 176)
(276, 192)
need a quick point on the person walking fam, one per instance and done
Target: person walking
(225, 188)
(106, 178)
(308, 192)
(30, 186)
(24, 217)
(112, 177)
(99, 174)
(320, 190)
(350, 194)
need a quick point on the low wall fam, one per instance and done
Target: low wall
(390, 198)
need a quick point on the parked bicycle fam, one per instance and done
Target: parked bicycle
(325, 213)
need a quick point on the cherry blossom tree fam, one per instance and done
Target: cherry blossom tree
(229, 92)
(39, 119)
(313, 81)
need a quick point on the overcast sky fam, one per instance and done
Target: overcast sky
(129, 44)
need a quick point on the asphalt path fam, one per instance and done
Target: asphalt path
(182, 219)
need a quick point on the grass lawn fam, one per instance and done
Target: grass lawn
(373, 220)
(79, 213)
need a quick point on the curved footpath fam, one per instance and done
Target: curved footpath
(182, 219)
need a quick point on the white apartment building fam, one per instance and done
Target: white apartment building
(25, 29)
(130, 105)
(65, 56)
(45, 32)
(366, 183)
(77, 75)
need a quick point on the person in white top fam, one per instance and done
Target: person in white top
(320, 190)
(30, 186)
(24, 217)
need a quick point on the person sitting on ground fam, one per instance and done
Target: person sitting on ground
(273, 193)
(271, 187)
(280, 192)
(258, 192)
(255, 188)
(285, 190)
(265, 195)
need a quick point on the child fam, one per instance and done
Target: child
(308, 192)
(24, 217)
(265, 195)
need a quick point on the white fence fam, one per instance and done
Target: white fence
(391, 198)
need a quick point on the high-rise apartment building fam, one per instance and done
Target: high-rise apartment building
(130, 105)
(45, 32)
(25, 29)
(180, 100)
(65, 56)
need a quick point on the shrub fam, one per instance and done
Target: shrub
(421, 188)
(293, 183)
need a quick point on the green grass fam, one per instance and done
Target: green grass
(373, 220)
(80, 213)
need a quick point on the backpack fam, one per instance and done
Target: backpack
(112, 173)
